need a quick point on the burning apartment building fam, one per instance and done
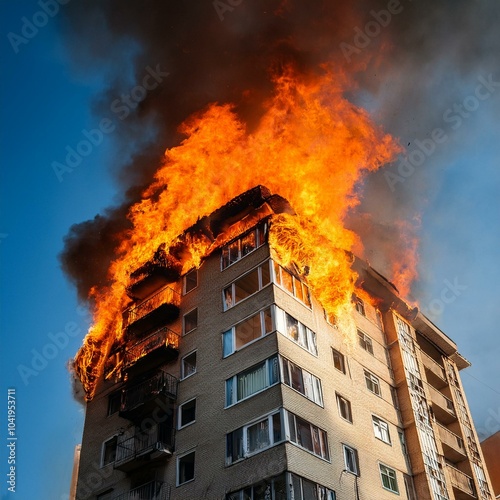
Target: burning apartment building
(238, 371)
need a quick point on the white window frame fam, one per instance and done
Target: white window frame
(365, 342)
(342, 358)
(381, 429)
(386, 473)
(375, 381)
(177, 472)
(287, 415)
(179, 414)
(260, 231)
(306, 333)
(103, 449)
(348, 405)
(278, 281)
(354, 453)
(184, 331)
(184, 281)
(317, 390)
(233, 381)
(263, 332)
(225, 303)
(183, 375)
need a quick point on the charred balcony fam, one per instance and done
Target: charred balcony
(156, 391)
(159, 344)
(154, 490)
(463, 485)
(145, 448)
(161, 307)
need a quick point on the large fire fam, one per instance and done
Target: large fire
(312, 146)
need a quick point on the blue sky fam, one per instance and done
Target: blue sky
(45, 107)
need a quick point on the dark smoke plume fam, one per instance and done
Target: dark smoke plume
(407, 72)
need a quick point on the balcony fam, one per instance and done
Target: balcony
(143, 397)
(154, 490)
(453, 445)
(434, 371)
(463, 485)
(144, 448)
(162, 307)
(161, 342)
(442, 406)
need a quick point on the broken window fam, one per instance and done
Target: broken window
(293, 285)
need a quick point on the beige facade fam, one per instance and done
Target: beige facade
(238, 387)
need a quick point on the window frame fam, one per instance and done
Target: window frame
(304, 332)
(185, 291)
(233, 381)
(178, 463)
(373, 380)
(103, 450)
(293, 435)
(184, 331)
(386, 473)
(360, 306)
(342, 359)
(111, 396)
(278, 281)
(260, 232)
(365, 342)
(339, 399)
(316, 386)
(354, 453)
(183, 375)
(381, 430)
(179, 414)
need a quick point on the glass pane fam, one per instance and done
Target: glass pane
(265, 274)
(308, 385)
(286, 372)
(307, 298)
(228, 297)
(312, 342)
(280, 488)
(296, 492)
(277, 273)
(246, 286)
(316, 442)
(189, 364)
(291, 427)
(191, 280)
(258, 436)
(309, 489)
(251, 381)
(287, 281)
(304, 434)
(324, 445)
(229, 391)
(274, 374)
(298, 289)
(292, 327)
(235, 445)
(262, 491)
(227, 341)
(268, 320)
(191, 320)
(247, 331)
(248, 243)
(297, 382)
(188, 412)
(277, 434)
(233, 252)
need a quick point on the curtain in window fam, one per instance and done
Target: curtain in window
(251, 382)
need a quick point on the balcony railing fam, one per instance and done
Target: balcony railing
(161, 337)
(165, 296)
(451, 439)
(154, 490)
(142, 445)
(435, 368)
(444, 403)
(461, 481)
(162, 383)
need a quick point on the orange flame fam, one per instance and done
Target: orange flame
(312, 146)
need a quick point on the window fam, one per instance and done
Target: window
(188, 366)
(252, 381)
(247, 285)
(344, 407)
(308, 436)
(381, 429)
(185, 468)
(114, 402)
(302, 381)
(360, 306)
(351, 460)
(190, 321)
(389, 480)
(409, 488)
(294, 286)
(296, 331)
(190, 280)
(242, 246)
(303, 489)
(253, 438)
(372, 383)
(274, 488)
(247, 331)
(394, 396)
(365, 342)
(187, 413)
(338, 360)
(109, 451)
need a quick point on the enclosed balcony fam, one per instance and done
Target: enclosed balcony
(463, 485)
(143, 397)
(161, 344)
(442, 406)
(154, 490)
(161, 307)
(145, 448)
(453, 445)
(434, 372)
